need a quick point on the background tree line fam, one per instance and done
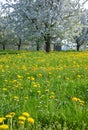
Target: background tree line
(43, 22)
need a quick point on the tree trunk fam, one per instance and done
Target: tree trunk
(19, 44)
(47, 47)
(19, 47)
(47, 42)
(54, 47)
(78, 46)
(37, 46)
(3, 46)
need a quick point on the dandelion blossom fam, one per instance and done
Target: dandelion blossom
(4, 127)
(75, 99)
(21, 122)
(8, 116)
(1, 120)
(26, 114)
(22, 118)
(31, 120)
(12, 113)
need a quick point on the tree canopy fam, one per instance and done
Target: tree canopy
(45, 19)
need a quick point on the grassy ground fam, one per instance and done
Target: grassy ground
(52, 90)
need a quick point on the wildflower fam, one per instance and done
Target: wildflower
(3, 70)
(79, 100)
(38, 91)
(4, 127)
(6, 80)
(31, 120)
(79, 76)
(21, 122)
(2, 119)
(7, 66)
(26, 114)
(8, 116)
(52, 96)
(47, 90)
(39, 75)
(28, 78)
(22, 118)
(75, 99)
(42, 95)
(12, 113)
(14, 81)
(35, 85)
(52, 93)
(38, 85)
(32, 78)
(15, 97)
(19, 77)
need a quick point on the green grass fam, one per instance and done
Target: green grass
(44, 85)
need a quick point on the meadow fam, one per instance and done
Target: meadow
(40, 91)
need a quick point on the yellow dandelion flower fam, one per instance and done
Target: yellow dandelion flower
(79, 76)
(6, 80)
(15, 97)
(78, 99)
(28, 78)
(32, 78)
(21, 122)
(81, 104)
(52, 97)
(4, 118)
(31, 120)
(8, 116)
(19, 76)
(26, 114)
(52, 93)
(35, 85)
(1, 120)
(38, 85)
(47, 90)
(7, 66)
(14, 81)
(81, 101)
(22, 118)
(39, 75)
(74, 99)
(3, 70)
(42, 95)
(38, 91)
(12, 113)
(4, 127)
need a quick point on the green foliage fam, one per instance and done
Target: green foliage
(52, 88)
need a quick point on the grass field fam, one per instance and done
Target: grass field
(40, 91)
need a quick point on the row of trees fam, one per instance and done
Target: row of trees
(43, 22)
